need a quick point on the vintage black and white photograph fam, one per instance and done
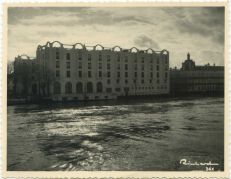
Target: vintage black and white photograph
(93, 88)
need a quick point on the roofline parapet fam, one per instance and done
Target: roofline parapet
(83, 46)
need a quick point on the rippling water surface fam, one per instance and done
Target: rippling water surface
(150, 135)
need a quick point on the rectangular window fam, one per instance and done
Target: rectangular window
(57, 64)
(126, 81)
(157, 67)
(108, 58)
(57, 54)
(100, 65)
(118, 74)
(142, 67)
(89, 57)
(80, 65)
(80, 74)
(118, 81)
(100, 56)
(108, 74)
(68, 57)
(118, 67)
(142, 59)
(117, 89)
(68, 65)
(108, 66)
(134, 81)
(126, 74)
(166, 75)
(126, 66)
(89, 66)
(108, 90)
(57, 73)
(68, 74)
(80, 56)
(108, 81)
(142, 74)
(135, 74)
(158, 81)
(126, 59)
(89, 74)
(118, 58)
(157, 74)
(142, 81)
(150, 81)
(100, 74)
(166, 60)
(151, 75)
(135, 66)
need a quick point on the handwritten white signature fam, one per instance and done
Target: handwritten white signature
(189, 163)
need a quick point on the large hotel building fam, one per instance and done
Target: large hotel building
(78, 72)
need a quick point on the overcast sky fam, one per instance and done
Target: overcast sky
(198, 30)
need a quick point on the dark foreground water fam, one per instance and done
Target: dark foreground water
(150, 135)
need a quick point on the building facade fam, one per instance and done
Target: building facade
(79, 72)
(24, 70)
(207, 79)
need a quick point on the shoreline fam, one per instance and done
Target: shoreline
(23, 101)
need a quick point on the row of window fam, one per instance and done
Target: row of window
(142, 81)
(127, 61)
(148, 88)
(108, 57)
(68, 65)
(68, 74)
(79, 88)
(89, 88)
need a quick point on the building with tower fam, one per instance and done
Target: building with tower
(207, 79)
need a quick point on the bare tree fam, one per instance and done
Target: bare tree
(44, 76)
(10, 67)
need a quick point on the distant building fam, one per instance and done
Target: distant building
(190, 78)
(24, 68)
(10, 85)
(79, 72)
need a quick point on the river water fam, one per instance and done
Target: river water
(147, 135)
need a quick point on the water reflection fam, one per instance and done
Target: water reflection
(115, 135)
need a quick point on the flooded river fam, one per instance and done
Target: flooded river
(149, 135)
